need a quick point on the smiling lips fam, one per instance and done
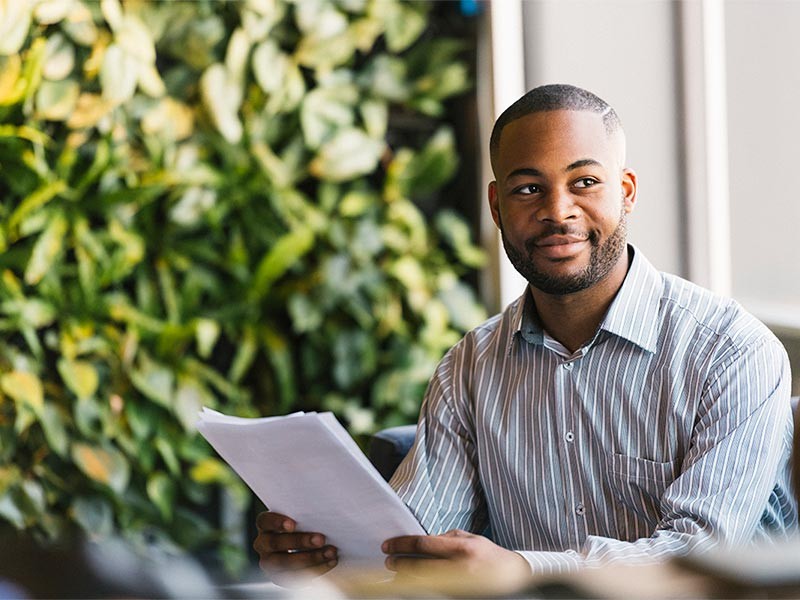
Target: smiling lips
(559, 246)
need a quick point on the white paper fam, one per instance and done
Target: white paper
(306, 466)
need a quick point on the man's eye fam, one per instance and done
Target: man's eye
(586, 182)
(530, 188)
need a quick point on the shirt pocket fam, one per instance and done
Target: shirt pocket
(637, 485)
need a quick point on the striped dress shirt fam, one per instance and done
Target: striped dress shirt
(669, 431)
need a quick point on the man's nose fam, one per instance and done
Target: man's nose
(557, 206)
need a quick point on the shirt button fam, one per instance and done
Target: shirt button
(568, 366)
(580, 510)
(569, 436)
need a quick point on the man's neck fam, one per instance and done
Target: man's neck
(573, 319)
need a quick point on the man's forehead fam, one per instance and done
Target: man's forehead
(582, 134)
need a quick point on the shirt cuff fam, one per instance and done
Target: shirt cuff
(551, 563)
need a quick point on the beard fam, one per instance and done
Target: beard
(602, 258)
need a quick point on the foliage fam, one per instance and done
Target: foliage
(200, 208)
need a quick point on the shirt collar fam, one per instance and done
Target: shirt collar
(633, 314)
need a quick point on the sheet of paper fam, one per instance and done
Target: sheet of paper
(306, 466)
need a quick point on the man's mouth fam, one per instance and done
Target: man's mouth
(559, 246)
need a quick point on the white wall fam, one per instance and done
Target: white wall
(763, 54)
(625, 51)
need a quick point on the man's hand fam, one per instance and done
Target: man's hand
(457, 552)
(287, 555)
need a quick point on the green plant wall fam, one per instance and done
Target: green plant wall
(200, 207)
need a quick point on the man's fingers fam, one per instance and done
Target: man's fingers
(324, 558)
(281, 542)
(269, 522)
(440, 546)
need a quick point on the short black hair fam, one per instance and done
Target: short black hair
(555, 96)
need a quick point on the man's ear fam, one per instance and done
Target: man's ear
(629, 187)
(493, 203)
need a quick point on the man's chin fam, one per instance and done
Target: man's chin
(558, 282)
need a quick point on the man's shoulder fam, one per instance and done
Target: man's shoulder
(719, 316)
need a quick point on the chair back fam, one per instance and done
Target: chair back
(796, 452)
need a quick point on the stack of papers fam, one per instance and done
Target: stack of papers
(307, 467)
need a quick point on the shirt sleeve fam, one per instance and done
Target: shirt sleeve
(727, 483)
(439, 480)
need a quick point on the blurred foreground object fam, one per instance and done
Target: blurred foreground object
(107, 569)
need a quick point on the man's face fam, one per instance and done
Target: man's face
(561, 198)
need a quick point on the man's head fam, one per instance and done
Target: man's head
(561, 193)
(556, 96)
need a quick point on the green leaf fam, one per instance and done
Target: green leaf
(50, 12)
(326, 110)
(59, 58)
(155, 381)
(167, 453)
(280, 357)
(222, 98)
(245, 355)
(454, 229)
(37, 199)
(46, 250)
(103, 465)
(55, 430)
(15, 20)
(12, 86)
(270, 66)
(283, 255)
(55, 100)
(119, 75)
(31, 313)
(24, 388)
(93, 514)
(350, 153)
(207, 333)
(404, 24)
(80, 376)
(375, 114)
(161, 490)
(306, 314)
(80, 27)
(88, 416)
(387, 78)
(209, 470)
(190, 398)
(355, 358)
(142, 418)
(463, 310)
(10, 511)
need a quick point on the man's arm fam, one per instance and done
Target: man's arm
(449, 496)
(739, 451)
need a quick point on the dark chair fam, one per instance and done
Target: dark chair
(388, 447)
(796, 452)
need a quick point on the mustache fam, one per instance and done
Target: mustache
(550, 230)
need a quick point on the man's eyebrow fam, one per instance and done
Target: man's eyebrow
(584, 162)
(529, 171)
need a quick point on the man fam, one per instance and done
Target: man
(612, 412)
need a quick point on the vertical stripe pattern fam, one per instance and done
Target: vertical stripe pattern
(669, 431)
